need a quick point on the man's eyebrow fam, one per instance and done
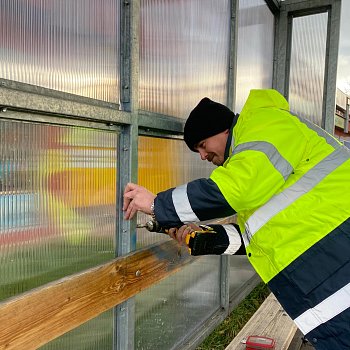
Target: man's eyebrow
(197, 145)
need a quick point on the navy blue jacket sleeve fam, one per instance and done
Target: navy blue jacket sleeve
(198, 200)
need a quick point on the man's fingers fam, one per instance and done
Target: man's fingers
(130, 211)
(184, 234)
(128, 195)
(129, 187)
(172, 233)
(194, 227)
(126, 202)
(181, 233)
(140, 197)
(127, 211)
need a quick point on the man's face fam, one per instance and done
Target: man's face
(212, 148)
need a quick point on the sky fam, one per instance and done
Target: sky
(343, 75)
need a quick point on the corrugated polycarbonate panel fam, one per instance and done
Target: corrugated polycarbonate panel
(255, 49)
(254, 71)
(165, 163)
(96, 334)
(66, 45)
(341, 98)
(241, 271)
(183, 54)
(169, 311)
(307, 66)
(57, 202)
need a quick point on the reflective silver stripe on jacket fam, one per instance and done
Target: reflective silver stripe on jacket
(325, 310)
(320, 132)
(182, 204)
(280, 163)
(234, 239)
(282, 200)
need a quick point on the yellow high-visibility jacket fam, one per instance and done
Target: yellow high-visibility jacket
(284, 179)
(289, 182)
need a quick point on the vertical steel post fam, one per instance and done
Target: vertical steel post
(127, 161)
(346, 121)
(126, 237)
(282, 49)
(330, 76)
(230, 101)
(232, 59)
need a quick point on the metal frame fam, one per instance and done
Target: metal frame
(24, 97)
(284, 27)
(274, 6)
(346, 121)
(126, 236)
(231, 102)
(330, 82)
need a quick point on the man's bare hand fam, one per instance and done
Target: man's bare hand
(136, 198)
(181, 233)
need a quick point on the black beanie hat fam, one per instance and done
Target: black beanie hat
(207, 119)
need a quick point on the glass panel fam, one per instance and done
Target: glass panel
(255, 49)
(96, 334)
(172, 309)
(165, 163)
(57, 202)
(66, 45)
(307, 66)
(184, 54)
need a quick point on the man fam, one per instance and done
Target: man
(287, 180)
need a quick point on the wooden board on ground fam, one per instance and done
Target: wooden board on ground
(270, 320)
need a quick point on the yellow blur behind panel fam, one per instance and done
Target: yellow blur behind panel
(160, 163)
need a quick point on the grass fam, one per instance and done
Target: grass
(222, 335)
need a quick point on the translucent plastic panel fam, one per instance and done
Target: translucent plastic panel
(254, 71)
(241, 271)
(255, 49)
(184, 54)
(165, 163)
(172, 309)
(307, 66)
(343, 70)
(65, 45)
(57, 202)
(96, 334)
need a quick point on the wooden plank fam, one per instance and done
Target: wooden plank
(36, 317)
(270, 320)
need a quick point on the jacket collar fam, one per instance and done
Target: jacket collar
(229, 144)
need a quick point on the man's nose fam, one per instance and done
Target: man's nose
(203, 154)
